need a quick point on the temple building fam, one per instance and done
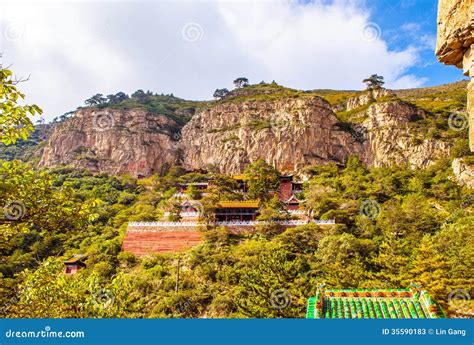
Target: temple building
(372, 304)
(242, 181)
(74, 264)
(289, 187)
(293, 203)
(228, 211)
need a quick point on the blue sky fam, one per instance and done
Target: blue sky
(404, 22)
(72, 50)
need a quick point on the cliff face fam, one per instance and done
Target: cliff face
(288, 133)
(366, 98)
(392, 140)
(464, 172)
(291, 134)
(455, 45)
(114, 141)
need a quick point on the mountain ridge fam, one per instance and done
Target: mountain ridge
(268, 121)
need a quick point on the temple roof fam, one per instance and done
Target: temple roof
(372, 303)
(241, 177)
(293, 199)
(75, 259)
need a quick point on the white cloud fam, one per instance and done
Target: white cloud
(77, 49)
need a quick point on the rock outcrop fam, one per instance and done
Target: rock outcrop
(464, 172)
(455, 45)
(366, 98)
(114, 141)
(287, 133)
(291, 134)
(391, 140)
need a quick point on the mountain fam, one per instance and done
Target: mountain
(290, 129)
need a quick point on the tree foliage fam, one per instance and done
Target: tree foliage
(15, 121)
(417, 235)
(262, 178)
(220, 93)
(375, 81)
(241, 82)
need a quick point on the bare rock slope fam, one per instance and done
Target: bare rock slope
(114, 141)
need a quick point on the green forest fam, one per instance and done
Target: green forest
(421, 233)
(418, 229)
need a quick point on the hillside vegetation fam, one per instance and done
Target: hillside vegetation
(420, 230)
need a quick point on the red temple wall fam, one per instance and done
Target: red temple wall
(285, 190)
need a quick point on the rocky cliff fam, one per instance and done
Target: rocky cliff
(463, 169)
(366, 98)
(293, 133)
(455, 45)
(289, 129)
(114, 141)
(287, 133)
(392, 140)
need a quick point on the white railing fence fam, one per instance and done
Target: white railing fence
(228, 223)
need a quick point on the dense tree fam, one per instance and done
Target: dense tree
(220, 93)
(241, 82)
(117, 98)
(95, 100)
(265, 289)
(262, 178)
(430, 269)
(15, 122)
(375, 81)
(421, 232)
(142, 96)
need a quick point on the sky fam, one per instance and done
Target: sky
(72, 50)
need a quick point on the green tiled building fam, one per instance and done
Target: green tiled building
(372, 304)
